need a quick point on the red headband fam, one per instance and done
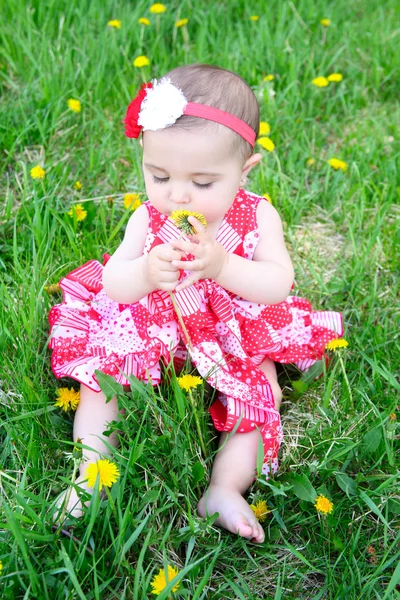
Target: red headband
(159, 104)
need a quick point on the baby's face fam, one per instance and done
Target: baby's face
(191, 170)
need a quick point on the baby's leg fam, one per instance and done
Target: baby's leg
(91, 419)
(233, 473)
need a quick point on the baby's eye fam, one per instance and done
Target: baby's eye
(202, 186)
(160, 179)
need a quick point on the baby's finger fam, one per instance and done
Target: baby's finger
(186, 283)
(188, 265)
(198, 226)
(187, 247)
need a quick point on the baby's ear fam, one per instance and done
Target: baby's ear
(251, 162)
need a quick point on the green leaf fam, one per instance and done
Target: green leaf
(313, 372)
(197, 472)
(371, 440)
(371, 504)
(108, 385)
(346, 483)
(303, 488)
(299, 386)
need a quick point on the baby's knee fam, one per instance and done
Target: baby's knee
(276, 390)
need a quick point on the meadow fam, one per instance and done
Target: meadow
(341, 226)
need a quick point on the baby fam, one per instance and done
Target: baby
(230, 281)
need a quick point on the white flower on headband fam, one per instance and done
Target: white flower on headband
(163, 104)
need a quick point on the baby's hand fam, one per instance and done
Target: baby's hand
(161, 273)
(209, 255)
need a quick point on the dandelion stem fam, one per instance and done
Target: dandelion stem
(196, 416)
(178, 314)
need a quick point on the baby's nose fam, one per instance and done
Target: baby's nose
(179, 195)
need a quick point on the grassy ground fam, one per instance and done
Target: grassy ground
(342, 231)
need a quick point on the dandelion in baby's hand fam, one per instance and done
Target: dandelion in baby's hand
(180, 218)
(260, 510)
(181, 23)
(323, 505)
(264, 128)
(53, 288)
(337, 344)
(37, 172)
(335, 77)
(189, 382)
(337, 164)
(269, 77)
(67, 399)
(158, 8)
(106, 470)
(254, 18)
(131, 201)
(77, 186)
(78, 212)
(74, 105)
(114, 23)
(141, 61)
(161, 580)
(320, 82)
(266, 143)
(144, 21)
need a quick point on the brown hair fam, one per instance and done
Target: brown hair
(223, 89)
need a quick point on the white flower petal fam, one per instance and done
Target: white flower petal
(163, 104)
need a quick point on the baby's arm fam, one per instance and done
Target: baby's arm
(130, 275)
(267, 279)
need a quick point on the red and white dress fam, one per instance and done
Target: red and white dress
(230, 336)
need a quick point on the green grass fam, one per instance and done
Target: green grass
(342, 230)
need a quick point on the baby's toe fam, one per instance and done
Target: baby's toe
(258, 534)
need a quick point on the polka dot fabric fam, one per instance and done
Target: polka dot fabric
(230, 336)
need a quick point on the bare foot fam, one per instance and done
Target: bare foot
(71, 506)
(235, 514)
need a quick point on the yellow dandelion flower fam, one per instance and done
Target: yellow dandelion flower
(53, 288)
(320, 81)
(67, 399)
(337, 164)
(180, 218)
(131, 201)
(141, 61)
(337, 344)
(107, 471)
(254, 18)
(37, 172)
(310, 162)
(269, 77)
(267, 197)
(144, 21)
(158, 8)
(335, 77)
(189, 382)
(78, 212)
(260, 509)
(115, 23)
(181, 23)
(1, 566)
(392, 417)
(264, 128)
(161, 580)
(266, 143)
(325, 22)
(77, 186)
(74, 105)
(323, 505)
